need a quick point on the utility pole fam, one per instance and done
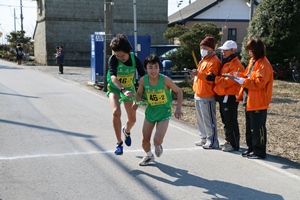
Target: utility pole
(2, 34)
(251, 9)
(135, 28)
(108, 28)
(21, 15)
(15, 19)
(135, 37)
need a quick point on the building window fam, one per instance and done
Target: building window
(232, 34)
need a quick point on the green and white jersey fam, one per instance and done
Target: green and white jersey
(159, 100)
(125, 74)
(157, 96)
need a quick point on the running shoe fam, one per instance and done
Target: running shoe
(200, 143)
(211, 145)
(119, 149)
(253, 156)
(158, 150)
(246, 153)
(227, 147)
(146, 160)
(224, 144)
(127, 139)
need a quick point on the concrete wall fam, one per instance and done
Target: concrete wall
(40, 43)
(71, 23)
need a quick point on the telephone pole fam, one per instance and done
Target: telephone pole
(21, 7)
(251, 8)
(15, 20)
(135, 28)
(108, 28)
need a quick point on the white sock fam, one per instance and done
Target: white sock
(149, 153)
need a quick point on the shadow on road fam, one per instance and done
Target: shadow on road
(214, 188)
(46, 128)
(19, 95)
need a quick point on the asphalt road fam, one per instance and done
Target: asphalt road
(57, 142)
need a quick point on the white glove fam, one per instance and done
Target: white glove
(239, 80)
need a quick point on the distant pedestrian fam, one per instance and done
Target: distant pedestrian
(60, 59)
(55, 54)
(204, 97)
(256, 95)
(157, 90)
(20, 54)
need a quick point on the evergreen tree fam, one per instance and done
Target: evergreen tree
(18, 37)
(189, 43)
(277, 24)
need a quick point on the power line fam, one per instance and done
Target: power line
(16, 6)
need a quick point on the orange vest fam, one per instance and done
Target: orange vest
(224, 85)
(201, 86)
(259, 85)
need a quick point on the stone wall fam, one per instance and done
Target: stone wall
(71, 23)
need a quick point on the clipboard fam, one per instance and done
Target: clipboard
(230, 76)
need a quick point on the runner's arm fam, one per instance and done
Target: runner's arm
(140, 90)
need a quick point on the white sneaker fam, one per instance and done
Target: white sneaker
(158, 150)
(210, 145)
(225, 143)
(146, 160)
(200, 143)
(227, 147)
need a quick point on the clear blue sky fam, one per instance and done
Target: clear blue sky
(11, 8)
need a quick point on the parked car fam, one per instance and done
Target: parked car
(166, 54)
(161, 49)
(166, 63)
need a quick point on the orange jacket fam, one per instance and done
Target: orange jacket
(259, 85)
(224, 85)
(201, 86)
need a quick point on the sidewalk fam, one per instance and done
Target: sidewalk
(81, 75)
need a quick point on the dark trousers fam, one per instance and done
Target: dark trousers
(229, 115)
(61, 67)
(256, 132)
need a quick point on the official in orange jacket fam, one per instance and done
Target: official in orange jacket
(205, 102)
(227, 91)
(256, 94)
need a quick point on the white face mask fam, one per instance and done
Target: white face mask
(203, 52)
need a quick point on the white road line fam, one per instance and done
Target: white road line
(260, 162)
(86, 153)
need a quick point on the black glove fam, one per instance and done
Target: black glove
(210, 77)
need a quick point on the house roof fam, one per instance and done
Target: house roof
(194, 9)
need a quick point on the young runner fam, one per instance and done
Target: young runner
(121, 79)
(157, 90)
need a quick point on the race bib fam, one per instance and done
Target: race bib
(126, 80)
(157, 97)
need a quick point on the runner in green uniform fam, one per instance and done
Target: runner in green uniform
(157, 90)
(121, 78)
